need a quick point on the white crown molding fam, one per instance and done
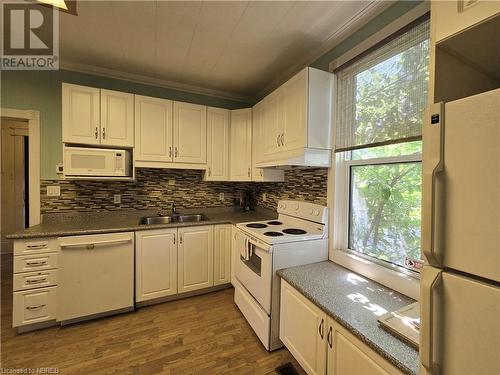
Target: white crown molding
(352, 25)
(148, 80)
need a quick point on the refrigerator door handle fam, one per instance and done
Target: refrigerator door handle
(430, 279)
(432, 166)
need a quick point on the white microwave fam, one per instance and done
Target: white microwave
(101, 162)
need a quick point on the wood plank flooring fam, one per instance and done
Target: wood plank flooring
(198, 335)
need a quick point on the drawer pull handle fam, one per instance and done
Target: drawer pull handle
(36, 263)
(34, 307)
(41, 246)
(36, 281)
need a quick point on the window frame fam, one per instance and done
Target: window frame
(347, 163)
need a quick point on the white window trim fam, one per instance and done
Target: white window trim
(403, 281)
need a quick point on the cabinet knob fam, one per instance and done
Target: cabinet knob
(170, 151)
(103, 133)
(209, 171)
(96, 133)
(176, 152)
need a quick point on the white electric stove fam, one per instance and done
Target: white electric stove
(299, 236)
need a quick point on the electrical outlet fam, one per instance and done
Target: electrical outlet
(221, 196)
(117, 199)
(171, 182)
(53, 191)
(264, 197)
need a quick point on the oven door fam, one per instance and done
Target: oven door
(254, 270)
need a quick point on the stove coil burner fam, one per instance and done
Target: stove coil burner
(256, 225)
(273, 234)
(274, 222)
(294, 231)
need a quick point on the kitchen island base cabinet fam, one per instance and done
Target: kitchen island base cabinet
(321, 345)
(155, 264)
(195, 262)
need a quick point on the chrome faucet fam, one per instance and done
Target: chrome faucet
(174, 209)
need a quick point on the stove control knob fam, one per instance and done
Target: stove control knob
(316, 212)
(284, 205)
(311, 211)
(296, 207)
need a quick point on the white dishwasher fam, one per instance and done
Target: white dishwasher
(96, 275)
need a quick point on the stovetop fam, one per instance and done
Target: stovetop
(284, 230)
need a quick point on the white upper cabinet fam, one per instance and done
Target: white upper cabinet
(241, 145)
(258, 146)
(190, 133)
(451, 17)
(195, 251)
(97, 117)
(217, 144)
(80, 114)
(297, 121)
(117, 118)
(153, 129)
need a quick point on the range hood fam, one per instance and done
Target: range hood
(300, 158)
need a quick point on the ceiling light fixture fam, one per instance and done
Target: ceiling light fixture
(67, 6)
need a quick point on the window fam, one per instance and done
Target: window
(380, 103)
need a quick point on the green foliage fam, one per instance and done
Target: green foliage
(386, 198)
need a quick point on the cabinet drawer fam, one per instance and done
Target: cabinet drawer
(35, 262)
(39, 279)
(34, 306)
(35, 246)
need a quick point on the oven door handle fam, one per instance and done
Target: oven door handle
(259, 245)
(246, 254)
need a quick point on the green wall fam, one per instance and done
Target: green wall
(383, 19)
(41, 90)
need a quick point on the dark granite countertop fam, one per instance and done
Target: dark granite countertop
(55, 225)
(356, 303)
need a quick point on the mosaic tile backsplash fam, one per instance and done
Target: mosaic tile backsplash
(153, 189)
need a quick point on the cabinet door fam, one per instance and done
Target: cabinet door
(80, 114)
(258, 143)
(117, 118)
(195, 266)
(222, 254)
(347, 355)
(451, 17)
(190, 133)
(217, 145)
(293, 134)
(153, 129)
(303, 330)
(155, 264)
(273, 116)
(241, 145)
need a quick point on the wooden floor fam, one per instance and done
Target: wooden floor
(199, 335)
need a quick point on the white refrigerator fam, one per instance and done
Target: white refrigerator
(460, 283)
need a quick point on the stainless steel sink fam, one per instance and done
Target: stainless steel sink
(171, 219)
(156, 220)
(190, 218)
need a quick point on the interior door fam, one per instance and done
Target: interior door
(80, 114)
(117, 118)
(153, 129)
(190, 133)
(195, 252)
(467, 205)
(217, 144)
(458, 324)
(241, 145)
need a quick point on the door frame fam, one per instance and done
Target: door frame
(33, 118)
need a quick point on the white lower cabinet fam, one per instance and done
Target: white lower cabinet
(155, 264)
(34, 306)
(302, 330)
(222, 254)
(321, 345)
(195, 262)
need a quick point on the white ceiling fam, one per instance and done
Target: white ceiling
(234, 49)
